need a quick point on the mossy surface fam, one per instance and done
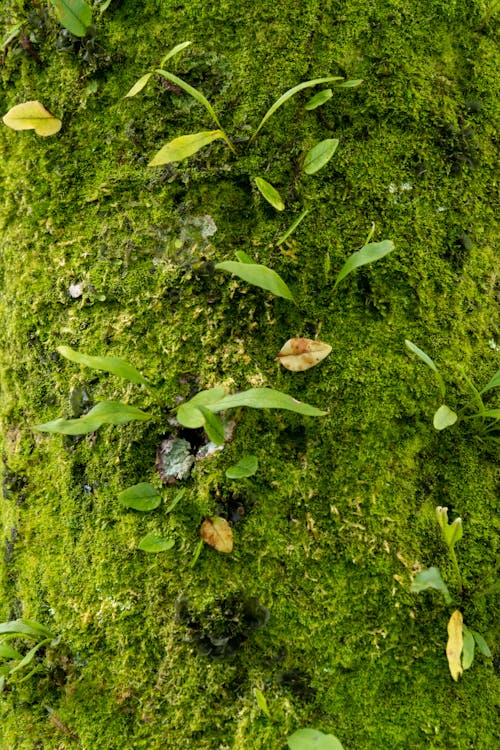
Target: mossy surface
(340, 515)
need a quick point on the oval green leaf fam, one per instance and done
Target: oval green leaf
(32, 116)
(258, 275)
(368, 254)
(74, 15)
(313, 739)
(141, 496)
(467, 649)
(112, 365)
(154, 543)
(270, 194)
(319, 99)
(246, 467)
(184, 146)
(444, 417)
(105, 412)
(138, 86)
(320, 155)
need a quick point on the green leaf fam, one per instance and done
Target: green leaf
(154, 543)
(368, 254)
(112, 365)
(11, 34)
(319, 99)
(288, 94)
(184, 146)
(243, 257)
(481, 644)
(141, 496)
(189, 415)
(430, 579)
(25, 627)
(291, 229)
(138, 86)
(320, 155)
(313, 739)
(494, 382)
(26, 660)
(452, 532)
(246, 467)
(350, 84)
(262, 702)
(265, 398)
(7, 652)
(74, 15)
(177, 498)
(105, 412)
(429, 362)
(492, 413)
(257, 275)
(467, 649)
(32, 115)
(270, 194)
(213, 426)
(195, 94)
(444, 417)
(174, 51)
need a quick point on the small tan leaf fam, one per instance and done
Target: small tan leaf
(32, 116)
(217, 533)
(455, 644)
(301, 354)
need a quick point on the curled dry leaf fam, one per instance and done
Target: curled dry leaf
(216, 532)
(301, 354)
(455, 644)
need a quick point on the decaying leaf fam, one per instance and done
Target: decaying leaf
(301, 354)
(216, 532)
(32, 116)
(455, 644)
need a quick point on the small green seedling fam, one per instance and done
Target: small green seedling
(12, 661)
(445, 417)
(313, 739)
(369, 253)
(461, 639)
(319, 155)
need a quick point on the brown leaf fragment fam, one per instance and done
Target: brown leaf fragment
(301, 354)
(216, 532)
(455, 644)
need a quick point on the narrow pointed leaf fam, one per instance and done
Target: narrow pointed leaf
(291, 229)
(494, 382)
(7, 652)
(291, 92)
(350, 84)
(189, 415)
(430, 579)
(262, 702)
(200, 98)
(270, 194)
(141, 496)
(11, 34)
(444, 417)
(108, 364)
(213, 426)
(28, 658)
(320, 155)
(216, 532)
(138, 86)
(105, 412)
(184, 146)
(25, 627)
(481, 644)
(174, 51)
(265, 398)
(468, 649)
(429, 362)
(300, 354)
(32, 116)
(319, 99)
(154, 543)
(454, 645)
(246, 467)
(313, 739)
(257, 275)
(368, 254)
(74, 15)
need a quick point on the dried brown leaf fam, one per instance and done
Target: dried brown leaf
(216, 532)
(301, 354)
(455, 644)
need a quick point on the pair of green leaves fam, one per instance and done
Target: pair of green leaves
(105, 412)
(144, 497)
(326, 94)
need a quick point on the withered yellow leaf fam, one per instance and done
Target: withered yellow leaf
(32, 116)
(216, 532)
(301, 354)
(455, 644)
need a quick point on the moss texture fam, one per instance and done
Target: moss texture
(340, 515)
